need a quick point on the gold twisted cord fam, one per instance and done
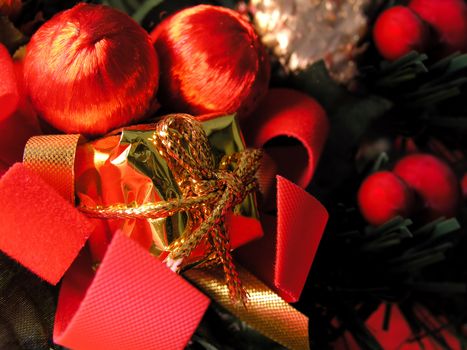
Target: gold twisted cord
(148, 210)
(208, 193)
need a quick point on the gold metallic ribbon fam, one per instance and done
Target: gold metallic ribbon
(208, 190)
(266, 312)
(53, 157)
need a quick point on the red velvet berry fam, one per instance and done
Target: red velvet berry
(91, 69)
(383, 196)
(448, 18)
(211, 61)
(398, 31)
(433, 181)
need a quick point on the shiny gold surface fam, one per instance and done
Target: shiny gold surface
(128, 168)
(301, 32)
(266, 311)
(208, 188)
(52, 157)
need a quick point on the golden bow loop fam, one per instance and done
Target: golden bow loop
(209, 187)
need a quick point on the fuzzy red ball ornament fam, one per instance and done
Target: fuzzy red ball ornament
(433, 181)
(9, 94)
(383, 196)
(448, 18)
(398, 31)
(211, 61)
(91, 69)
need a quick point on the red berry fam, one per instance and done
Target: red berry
(91, 69)
(433, 181)
(398, 31)
(383, 196)
(211, 61)
(448, 18)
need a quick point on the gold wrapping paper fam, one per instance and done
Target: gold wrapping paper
(127, 167)
(53, 157)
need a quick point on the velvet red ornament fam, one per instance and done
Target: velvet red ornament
(91, 69)
(18, 120)
(211, 61)
(9, 94)
(383, 196)
(398, 31)
(448, 18)
(433, 181)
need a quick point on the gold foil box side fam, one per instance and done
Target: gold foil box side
(127, 168)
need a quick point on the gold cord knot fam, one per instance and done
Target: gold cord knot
(210, 187)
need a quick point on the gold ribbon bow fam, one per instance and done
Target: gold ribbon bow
(208, 190)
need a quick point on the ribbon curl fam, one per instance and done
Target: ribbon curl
(208, 190)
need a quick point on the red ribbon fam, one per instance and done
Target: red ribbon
(283, 257)
(134, 301)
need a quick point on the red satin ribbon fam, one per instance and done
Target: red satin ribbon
(283, 257)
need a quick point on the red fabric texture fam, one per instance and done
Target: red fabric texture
(283, 257)
(39, 228)
(292, 114)
(242, 230)
(18, 120)
(133, 302)
(9, 95)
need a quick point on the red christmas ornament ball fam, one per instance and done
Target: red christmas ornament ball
(91, 69)
(383, 196)
(448, 18)
(433, 181)
(211, 61)
(398, 31)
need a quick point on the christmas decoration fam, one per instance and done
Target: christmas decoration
(356, 284)
(211, 61)
(9, 95)
(398, 31)
(100, 69)
(302, 32)
(433, 181)
(120, 175)
(383, 196)
(18, 121)
(449, 20)
(289, 114)
(196, 237)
